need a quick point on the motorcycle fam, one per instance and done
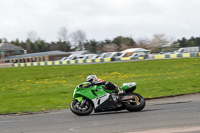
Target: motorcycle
(100, 99)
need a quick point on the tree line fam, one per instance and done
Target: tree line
(77, 41)
(193, 41)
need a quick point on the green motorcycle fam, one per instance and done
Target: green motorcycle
(100, 99)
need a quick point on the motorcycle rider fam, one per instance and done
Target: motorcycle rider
(110, 86)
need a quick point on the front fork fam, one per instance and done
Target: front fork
(81, 100)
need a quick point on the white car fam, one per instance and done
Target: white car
(64, 58)
(137, 55)
(110, 55)
(79, 57)
(71, 57)
(90, 56)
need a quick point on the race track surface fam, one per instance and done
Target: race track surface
(167, 115)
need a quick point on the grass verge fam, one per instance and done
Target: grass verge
(35, 89)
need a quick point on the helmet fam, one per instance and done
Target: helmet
(91, 78)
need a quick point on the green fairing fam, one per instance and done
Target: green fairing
(125, 87)
(93, 91)
(90, 92)
(79, 99)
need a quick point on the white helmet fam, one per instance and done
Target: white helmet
(91, 78)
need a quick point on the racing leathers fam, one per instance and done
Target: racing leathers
(109, 85)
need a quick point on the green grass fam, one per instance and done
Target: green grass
(34, 89)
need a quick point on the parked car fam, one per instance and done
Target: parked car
(187, 50)
(90, 56)
(137, 55)
(80, 57)
(64, 58)
(110, 55)
(71, 57)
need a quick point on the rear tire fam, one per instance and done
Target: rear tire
(86, 109)
(135, 105)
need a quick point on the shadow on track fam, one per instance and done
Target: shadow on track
(121, 112)
(110, 112)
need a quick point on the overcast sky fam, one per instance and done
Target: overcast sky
(99, 19)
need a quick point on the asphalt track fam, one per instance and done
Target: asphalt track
(167, 115)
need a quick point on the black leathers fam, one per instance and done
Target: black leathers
(109, 85)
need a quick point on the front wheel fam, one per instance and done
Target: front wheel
(137, 104)
(79, 109)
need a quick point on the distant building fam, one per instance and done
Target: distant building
(35, 57)
(40, 56)
(80, 52)
(7, 49)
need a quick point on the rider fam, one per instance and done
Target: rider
(95, 81)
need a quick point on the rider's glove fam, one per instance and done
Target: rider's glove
(90, 84)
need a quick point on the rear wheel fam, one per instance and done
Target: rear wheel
(81, 109)
(137, 104)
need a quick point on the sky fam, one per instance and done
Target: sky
(99, 19)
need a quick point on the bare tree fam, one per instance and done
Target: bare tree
(78, 38)
(143, 43)
(62, 34)
(158, 41)
(32, 36)
(110, 47)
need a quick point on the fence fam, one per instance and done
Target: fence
(48, 63)
(6, 64)
(184, 55)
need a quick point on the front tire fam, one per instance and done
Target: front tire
(135, 105)
(86, 109)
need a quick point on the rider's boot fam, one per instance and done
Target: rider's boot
(119, 91)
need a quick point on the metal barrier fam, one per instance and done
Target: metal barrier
(6, 64)
(71, 62)
(184, 55)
